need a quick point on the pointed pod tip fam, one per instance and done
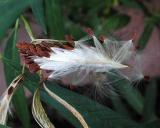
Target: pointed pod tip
(89, 31)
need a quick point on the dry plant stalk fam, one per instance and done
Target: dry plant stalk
(6, 98)
(67, 106)
(39, 113)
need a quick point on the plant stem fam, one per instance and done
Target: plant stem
(28, 28)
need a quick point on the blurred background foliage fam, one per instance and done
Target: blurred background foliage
(136, 107)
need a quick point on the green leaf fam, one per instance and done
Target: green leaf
(38, 11)
(54, 19)
(74, 29)
(10, 10)
(27, 27)
(19, 99)
(116, 22)
(4, 126)
(131, 95)
(128, 92)
(148, 28)
(119, 105)
(153, 124)
(131, 3)
(95, 114)
(150, 102)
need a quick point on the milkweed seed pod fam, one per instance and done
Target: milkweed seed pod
(87, 61)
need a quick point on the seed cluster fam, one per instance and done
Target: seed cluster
(43, 49)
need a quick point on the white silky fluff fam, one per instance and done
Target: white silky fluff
(81, 65)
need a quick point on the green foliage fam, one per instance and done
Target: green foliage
(3, 126)
(19, 99)
(58, 18)
(116, 22)
(38, 12)
(54, 19)
(131, 3)
(11, 9)
(150, 102)
(132, 96)
(148, 28)
(95, 114)
(153, 124)
(150, 24)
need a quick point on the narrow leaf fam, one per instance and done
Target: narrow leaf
(54, 19)
(19, 100)
(131, 3)
(132, 96)
(152, 124)
(39, 113)
(38, 12)
(4, 126)
(150, 102)
(28, 27)
(67, 106)
(148, 28)
(119, 105)
(12, 9)
(95, 114)
(116, 22)
(128, 92)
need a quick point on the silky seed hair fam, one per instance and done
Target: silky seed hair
(79, 63)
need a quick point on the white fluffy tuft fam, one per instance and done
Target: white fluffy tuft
(84, 61)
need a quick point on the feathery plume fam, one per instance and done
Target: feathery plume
(78, 63)
(85, 60)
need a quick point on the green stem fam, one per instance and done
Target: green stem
(16, 28)
(28, 27)
(17, 23)
(1, 56)
(23, 69)
(30, 33)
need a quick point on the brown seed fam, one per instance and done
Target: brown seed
(39, 50)
(137, 47)
(28, 61)
(46, 47)
(102, 38)
(33, 68)
(32, 49)
(69, 38)
(146, 77)
(89, 31)
(22, 46)
(67, 47)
